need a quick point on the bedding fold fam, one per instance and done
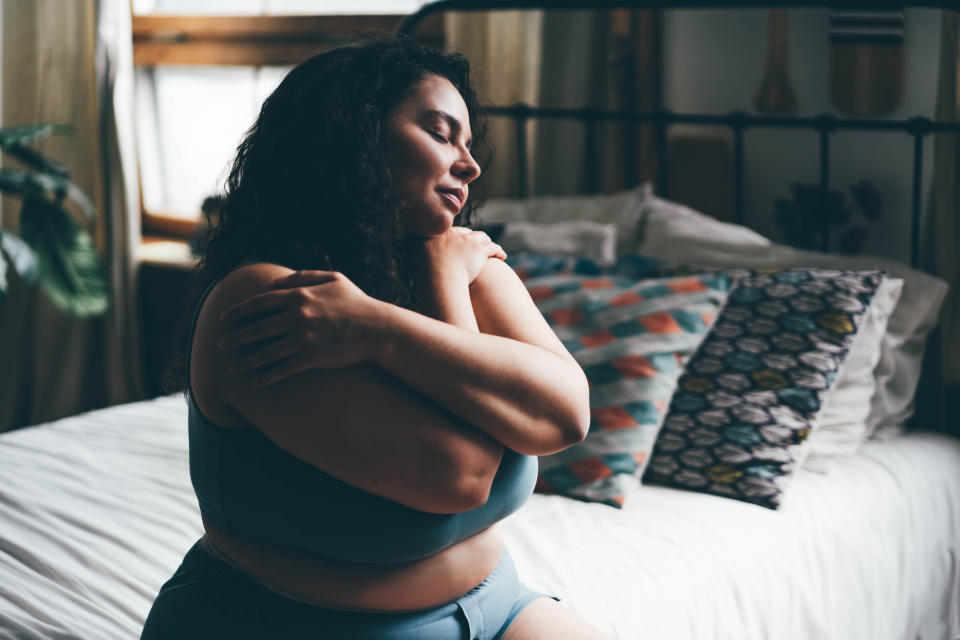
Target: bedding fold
(96, 512)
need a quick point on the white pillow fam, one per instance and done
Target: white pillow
(673, 231)
(574, 238)
(842, 424)
(621, 209)
(678, 234)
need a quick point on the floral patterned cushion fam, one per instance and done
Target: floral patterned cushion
(631, 337)
(750, 396)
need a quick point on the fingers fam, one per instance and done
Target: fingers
(263, 357)
(304, 278)
(461, 230)
(267, 302)
(494, 249)
(270, 327)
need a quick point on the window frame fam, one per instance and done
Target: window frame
(248, 41)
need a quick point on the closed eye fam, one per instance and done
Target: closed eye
(436, 122)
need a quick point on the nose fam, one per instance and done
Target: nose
(466, 167)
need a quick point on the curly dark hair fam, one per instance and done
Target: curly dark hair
(309, 187)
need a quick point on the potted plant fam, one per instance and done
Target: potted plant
(803, 216)
(53, 248)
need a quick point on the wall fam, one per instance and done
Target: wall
(714, 61)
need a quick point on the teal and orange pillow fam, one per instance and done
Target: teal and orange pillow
(749, 398)
(631, 337)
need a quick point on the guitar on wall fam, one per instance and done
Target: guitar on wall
(775, 94)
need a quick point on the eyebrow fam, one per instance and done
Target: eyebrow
(452, 122)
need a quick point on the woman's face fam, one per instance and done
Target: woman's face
(428, 147)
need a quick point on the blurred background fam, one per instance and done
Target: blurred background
(159, 93)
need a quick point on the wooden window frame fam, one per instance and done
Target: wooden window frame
(250, 41)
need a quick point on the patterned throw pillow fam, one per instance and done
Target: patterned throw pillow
(750, 395)
(631, 338)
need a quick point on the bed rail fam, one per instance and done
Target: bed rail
(439, 6)
(825, 124)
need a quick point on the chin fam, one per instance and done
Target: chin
(435, 225)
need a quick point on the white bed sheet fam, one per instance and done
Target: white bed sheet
(96, 512)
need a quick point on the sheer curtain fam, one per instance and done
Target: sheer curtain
(123, 376)
(504, 49)
(72, 62)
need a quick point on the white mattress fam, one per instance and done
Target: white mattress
(97, 510)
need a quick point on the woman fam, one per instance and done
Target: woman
(369, 383)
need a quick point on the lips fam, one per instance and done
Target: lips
(452, 197)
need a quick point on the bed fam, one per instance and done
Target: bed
(97, 510)
(869, 550)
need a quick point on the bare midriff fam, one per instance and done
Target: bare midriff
(338, 584)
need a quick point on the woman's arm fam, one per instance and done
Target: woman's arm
(442, 291)
(531, 397)
(354, 421)
(515, 380)
(503, 307)
(517, 383)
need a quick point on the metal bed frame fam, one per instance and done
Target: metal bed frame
(825, 124)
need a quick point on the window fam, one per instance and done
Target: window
(203, 68)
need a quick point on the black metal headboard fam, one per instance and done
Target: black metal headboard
(919, 127)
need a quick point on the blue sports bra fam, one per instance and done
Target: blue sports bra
(249, 487)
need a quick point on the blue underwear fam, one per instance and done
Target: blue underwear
(207, 598)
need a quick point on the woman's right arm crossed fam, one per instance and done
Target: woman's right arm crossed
(349, 418)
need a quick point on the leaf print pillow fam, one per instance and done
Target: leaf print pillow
(750, 396)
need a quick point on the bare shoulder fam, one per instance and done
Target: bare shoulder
(207, 362)
(503, 307)
(497, 272)
(498, 284)
(248, 280)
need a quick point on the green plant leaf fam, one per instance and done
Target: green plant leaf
(70, 269)
(20, 255)
(30, 157)
(21, 182)
(26, 183)
(28, 133)
(75, 194)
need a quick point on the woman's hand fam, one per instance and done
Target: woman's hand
(459, 253)
(313, 319)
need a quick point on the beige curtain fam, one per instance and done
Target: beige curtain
(942, 250)
(71, 62)
(553, 59)
(504, 52)
(121, 185)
